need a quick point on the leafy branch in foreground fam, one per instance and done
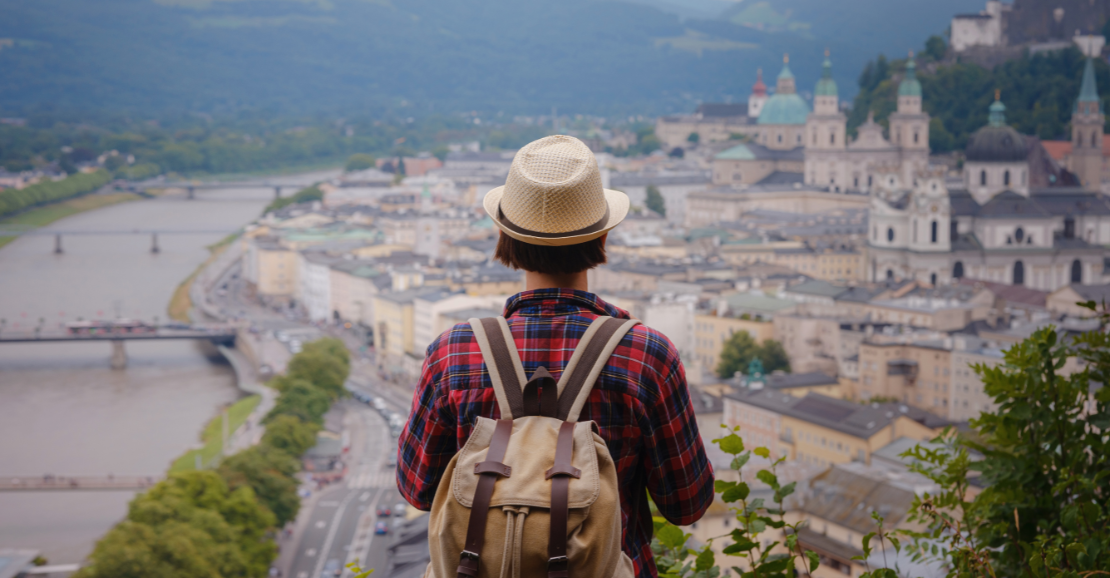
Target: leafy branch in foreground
(768, 559)
(358, 571)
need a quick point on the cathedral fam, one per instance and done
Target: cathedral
(832, 161)
(1009, 219)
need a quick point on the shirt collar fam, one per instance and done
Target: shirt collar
(556, 301)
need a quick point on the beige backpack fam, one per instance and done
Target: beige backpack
(534, 493)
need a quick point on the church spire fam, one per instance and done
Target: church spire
(1088, 90)
(826, 86)
(997, 115)
(910, 85)
(785, 84)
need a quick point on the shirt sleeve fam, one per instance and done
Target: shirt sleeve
(680, 477)
(427, 442)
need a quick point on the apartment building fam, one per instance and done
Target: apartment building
(823, 430)
(968, 398)
(918, 374)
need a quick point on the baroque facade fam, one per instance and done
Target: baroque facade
(832, 161)
(993, 225)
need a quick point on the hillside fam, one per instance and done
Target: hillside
(421, 56)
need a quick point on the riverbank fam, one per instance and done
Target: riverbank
(42, 216)
(181, 302)
(212, 437)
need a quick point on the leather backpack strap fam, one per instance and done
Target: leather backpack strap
(489, 470)
(558, 566)
(495, 340)
(589, 358)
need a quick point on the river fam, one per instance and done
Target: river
(63, 410)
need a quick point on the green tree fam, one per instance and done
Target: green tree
(741, 348)
(334, 347)
(301, 399)
(359, 162)
(290, 434)
(940, 140)
(655, 200)
(268, 472)
(736, 354)
(322, 370)
(440, 152)
(693, 138)
(190, 525)
(773, 356)
(936, 47)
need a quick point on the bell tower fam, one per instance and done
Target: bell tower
(1086, 132)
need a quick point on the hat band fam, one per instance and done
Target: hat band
(583, 231)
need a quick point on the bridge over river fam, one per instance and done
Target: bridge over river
(215, 334)
(72, 483)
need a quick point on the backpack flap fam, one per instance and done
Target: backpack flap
(530, 454)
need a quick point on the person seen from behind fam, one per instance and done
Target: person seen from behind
(554, 217)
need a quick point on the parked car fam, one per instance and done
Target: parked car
(399, 509)
(331, 569)
(384, 511)
(381, 528)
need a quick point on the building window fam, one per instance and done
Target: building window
(915, 230)
(1076, 271)
(890, 234)
(1006, 178)
(933, 279)
(1094, 140)
(832, 138)
(869, 180)
(780, 137)
(889, 275)
(1019, 273)
(1019, 234)
(933, 232)
(983, 178)
(875, 232)
(915, 138)
(958, 270)
(814, 137)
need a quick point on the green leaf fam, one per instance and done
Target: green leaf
(742, 545)
(739, 461)
(756, 526)
(671, 536)
(705, 559)
(722, 485)
(814, 560)
(762, 452)
(736, 493)
(867, 545)
(730, 444)
(768, 478)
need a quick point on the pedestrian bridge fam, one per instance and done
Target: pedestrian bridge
(76, 483)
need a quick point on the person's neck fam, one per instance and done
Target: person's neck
(576, 281)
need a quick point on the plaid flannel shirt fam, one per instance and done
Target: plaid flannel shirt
(640, 403)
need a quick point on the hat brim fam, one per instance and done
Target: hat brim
(618, 210)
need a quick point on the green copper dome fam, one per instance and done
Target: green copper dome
(826, 86)
(910, 86)
(784, 109)
(786, 71)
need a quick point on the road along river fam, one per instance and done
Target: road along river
(63, 410)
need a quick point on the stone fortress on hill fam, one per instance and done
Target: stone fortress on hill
(1014, 214)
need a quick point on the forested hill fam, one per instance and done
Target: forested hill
(421, 56)
(1039, 93)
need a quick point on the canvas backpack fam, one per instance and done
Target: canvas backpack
(534, 493)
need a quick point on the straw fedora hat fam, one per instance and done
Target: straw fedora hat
(553, 195)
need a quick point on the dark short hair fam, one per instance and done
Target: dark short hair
(548, 259)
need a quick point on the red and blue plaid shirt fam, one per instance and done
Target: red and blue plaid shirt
(640, 403)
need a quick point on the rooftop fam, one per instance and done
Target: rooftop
(861, 421)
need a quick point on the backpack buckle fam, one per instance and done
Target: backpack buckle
(468, 554)
(556, 560)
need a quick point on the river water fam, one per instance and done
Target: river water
(63, 410)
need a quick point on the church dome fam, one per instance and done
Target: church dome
(784, 109)
(997, 142)
(826, 86)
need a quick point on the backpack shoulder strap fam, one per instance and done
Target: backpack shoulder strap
(502, 362)
(589, 358)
